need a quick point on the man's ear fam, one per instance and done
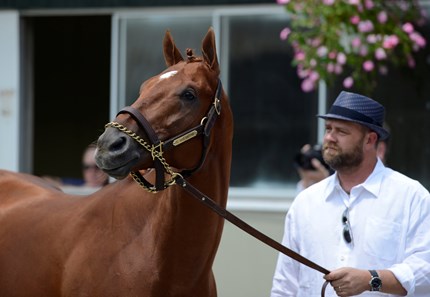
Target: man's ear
(372, 138)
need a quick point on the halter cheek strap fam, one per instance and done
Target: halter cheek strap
(156, 143)
(157, 147)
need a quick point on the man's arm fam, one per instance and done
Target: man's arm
(348, 281)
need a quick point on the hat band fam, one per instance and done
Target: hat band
(352, 114)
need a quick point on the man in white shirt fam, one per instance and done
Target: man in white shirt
(367, 224)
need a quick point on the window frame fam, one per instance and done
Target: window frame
(240, 198)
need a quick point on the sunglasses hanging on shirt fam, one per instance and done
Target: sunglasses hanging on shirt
(347, 232)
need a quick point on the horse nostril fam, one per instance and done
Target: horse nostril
(118, 144)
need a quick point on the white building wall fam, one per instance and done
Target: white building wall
(9, 90)
(244, 266)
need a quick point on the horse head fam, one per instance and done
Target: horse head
(171, 118)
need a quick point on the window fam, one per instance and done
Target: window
(273, 117)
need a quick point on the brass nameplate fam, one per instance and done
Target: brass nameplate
(184, 138)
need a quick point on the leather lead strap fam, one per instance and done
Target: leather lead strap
(323, 288)
(205, 130)
(249, 229)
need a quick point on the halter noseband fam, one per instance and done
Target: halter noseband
(156, 147)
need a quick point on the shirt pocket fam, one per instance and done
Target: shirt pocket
(382, 238)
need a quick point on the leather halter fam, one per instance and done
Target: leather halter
(157, 147)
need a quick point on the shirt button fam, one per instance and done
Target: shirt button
(342, 258)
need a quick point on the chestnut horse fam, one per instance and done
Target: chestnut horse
(124, 240)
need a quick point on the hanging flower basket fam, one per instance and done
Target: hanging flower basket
(352, 39)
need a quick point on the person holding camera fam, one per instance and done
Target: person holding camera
(310, 166)
(366, 223)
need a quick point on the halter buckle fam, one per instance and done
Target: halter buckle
(217, 105)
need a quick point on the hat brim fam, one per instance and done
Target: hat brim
(382, 133)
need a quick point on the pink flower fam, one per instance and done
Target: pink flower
(332, 55)
(380, 54)
(282, 2)
(314, 76)
(338, 69)
(330, 67)
(382, 17)
(368, 65)
(328, 2)
(417, 39)
(308, 85)
(390, 41)
(354, 2)
(369, 4)
(300, 56)
(348, 82)
(322, 51)
(365, 26)
(284, 33)
(301, 72)
(315, 42)
(356, 42)
(371, 38)
(313, 63)
(341, 58)
(363, 50)
(354, 19)
(408, 28)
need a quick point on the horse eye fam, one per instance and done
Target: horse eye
(188, 95)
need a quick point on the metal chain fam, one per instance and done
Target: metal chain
(156, 152)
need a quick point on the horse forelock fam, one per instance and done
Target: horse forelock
(191, 57)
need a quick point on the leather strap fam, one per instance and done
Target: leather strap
(203, 129)
(208, 202)
(143, 123)
(323, 288)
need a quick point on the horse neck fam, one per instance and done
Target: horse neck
(173, 227)
(197, 229)
(212, 179)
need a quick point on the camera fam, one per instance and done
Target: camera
(303, 159)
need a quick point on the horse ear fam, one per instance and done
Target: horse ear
(172, 55)
(209, 50)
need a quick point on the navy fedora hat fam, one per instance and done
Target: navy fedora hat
(358, 109)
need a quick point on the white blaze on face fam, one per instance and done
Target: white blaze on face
(168, 74)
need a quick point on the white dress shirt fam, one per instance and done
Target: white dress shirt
(389, 216)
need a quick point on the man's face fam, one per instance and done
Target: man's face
(93, 175)
(343, 144)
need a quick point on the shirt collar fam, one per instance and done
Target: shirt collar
(372, 184)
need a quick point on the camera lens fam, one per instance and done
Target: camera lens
(303, 159)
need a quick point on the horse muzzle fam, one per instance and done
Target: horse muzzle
(117, 154)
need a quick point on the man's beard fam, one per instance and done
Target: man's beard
(343, 159)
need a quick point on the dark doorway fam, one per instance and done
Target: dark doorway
(71, 84)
